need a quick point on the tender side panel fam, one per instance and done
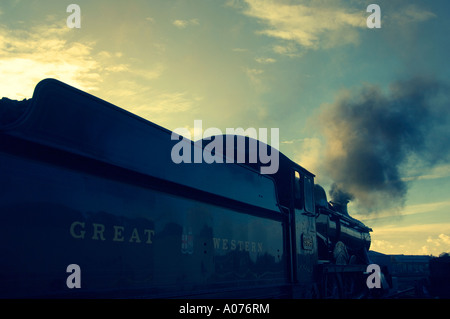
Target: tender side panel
(65, 118)
(128, 235)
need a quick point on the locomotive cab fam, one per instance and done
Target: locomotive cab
(295, 193)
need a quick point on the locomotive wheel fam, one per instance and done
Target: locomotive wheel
(340, 253)
(349, 288)
(342, 286)
(332, 286)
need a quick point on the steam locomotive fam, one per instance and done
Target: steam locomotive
(86, 183)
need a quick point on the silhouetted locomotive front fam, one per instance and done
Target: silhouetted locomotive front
(89, 184)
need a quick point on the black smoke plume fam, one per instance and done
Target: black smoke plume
(373, 138)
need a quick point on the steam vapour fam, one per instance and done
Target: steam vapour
(373, 137)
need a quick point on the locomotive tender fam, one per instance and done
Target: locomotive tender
(85, 182)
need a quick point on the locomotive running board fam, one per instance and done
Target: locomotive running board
(330, 268)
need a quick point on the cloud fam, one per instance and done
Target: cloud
(173, 102)
(150, 74)
(437, 245)
(110, 55)
(381, 245)
(26, 57)
(412, 13)
(312, 25)
(158, 106)
(383, 216)
(441, 240)
(437, 172)
(165, 107)
(308, 153)
(424, 239)
(321, 24)
(420, 230)
(265, 60)
(408, 14)
(118, 68)
(289, 49)
(255, 76)
(182, 24)
(371, 135)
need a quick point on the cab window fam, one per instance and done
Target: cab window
(309, 194)
(298, 198)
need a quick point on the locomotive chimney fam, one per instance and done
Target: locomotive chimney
(340, 198)
(341, 207)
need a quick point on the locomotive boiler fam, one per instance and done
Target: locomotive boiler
(86, 183)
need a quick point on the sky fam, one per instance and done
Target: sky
(364, 109)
